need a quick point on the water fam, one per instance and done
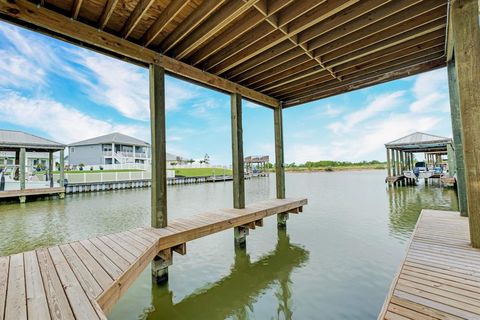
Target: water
(335, 261)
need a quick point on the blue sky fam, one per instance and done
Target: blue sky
(66, 93)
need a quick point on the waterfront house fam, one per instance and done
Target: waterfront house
(113, 148)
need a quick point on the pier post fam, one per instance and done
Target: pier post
(50, 168)
(21, 178)
(237, 152)
(240, 233)
(279, 153)
(279, 163)
(62, 168)
(466, 34)
(159, 166)
(457, 138)
(389, 169)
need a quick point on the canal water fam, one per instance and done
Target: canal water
(336, 260)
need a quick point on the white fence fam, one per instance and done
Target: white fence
(121, 166)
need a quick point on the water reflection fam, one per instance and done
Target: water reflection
(234, 295)
(406, 203)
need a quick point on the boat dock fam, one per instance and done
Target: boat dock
(84, 279)
(440, 275)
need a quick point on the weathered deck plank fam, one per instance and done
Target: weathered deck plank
(84, 279)
(440, 275)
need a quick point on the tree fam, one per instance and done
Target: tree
(206, 158)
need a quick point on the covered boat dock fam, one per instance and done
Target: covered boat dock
(278, 54)
(18, 184)
(400, 155)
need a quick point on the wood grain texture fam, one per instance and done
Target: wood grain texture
(84, 280)
(439, 277)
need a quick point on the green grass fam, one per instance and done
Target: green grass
(91, 171)
(200, 172)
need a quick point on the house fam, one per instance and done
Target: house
(113, 148)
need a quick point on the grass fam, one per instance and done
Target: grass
(201, 172)
(91, 171)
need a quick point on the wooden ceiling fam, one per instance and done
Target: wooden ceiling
(289, 51)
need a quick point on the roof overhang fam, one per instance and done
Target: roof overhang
(288, 52)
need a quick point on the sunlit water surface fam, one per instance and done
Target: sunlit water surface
(335, 261)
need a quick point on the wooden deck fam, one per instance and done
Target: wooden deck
(31, 192)
(394, 179)
(84, 279)
(440, 275)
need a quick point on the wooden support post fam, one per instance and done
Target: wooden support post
(394, 161)
(466, 33)
(22, 160)
(159, 168)
(159, 161)
(389, 168)
(282, 220)
(50, 168)
(457, 138)
(62, 168)
(160, 265)
(181, 249)
(279, 153)
(237, 152)
(240, 234)
(451, 160)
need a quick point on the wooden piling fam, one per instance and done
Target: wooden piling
(279, 153)
(389, 168)
(159, 159)
(159, 167)
(237, 152)
(466, 33)
(457, 138)
(62, 168)
(22, 160)
(50, 168)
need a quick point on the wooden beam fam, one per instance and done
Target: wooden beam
(77, 4)
(361, 75)
(181, 249)
(301, 71)
(237, 152)
(235, 55)
(188, 25)
(107, 13)
(279, 159)
(457, 138)
(159, 156)
(435, 28)
(213, 25)
(77, 32)
(373, 79)
(135, 17)
(423, 33)
(167, 15)
(251, 20)
(466, 30)
(410, 18)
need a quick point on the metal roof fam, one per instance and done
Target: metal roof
(420, 142)
(116, 137)
(10, 139)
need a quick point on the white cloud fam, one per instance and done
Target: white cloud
(378, 105)
(62, 123)
(431, 92)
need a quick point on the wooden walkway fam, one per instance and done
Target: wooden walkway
(440, 275)
(31, 192)
(84, 279)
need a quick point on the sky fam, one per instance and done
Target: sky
(67, 93)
